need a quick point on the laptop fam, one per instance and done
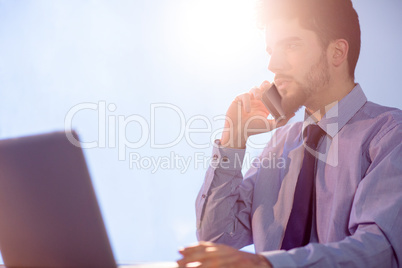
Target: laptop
(49, 214)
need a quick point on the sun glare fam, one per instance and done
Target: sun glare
(218, 29)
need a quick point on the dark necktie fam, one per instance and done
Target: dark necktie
(298, 230)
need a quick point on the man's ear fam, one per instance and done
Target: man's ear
(339, 51)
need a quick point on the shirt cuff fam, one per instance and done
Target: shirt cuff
(279, 259)
(226, 158)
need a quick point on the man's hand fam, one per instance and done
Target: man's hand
(247, 116)
(210, 255)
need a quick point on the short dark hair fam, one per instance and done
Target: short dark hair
(329, 19)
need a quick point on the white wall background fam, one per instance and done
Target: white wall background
(194, 55)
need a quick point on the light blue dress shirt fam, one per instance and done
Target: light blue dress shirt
(358, 209)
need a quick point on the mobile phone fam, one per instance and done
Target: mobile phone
(272, 101)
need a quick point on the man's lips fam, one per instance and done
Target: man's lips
(282, 83)
(281, 79)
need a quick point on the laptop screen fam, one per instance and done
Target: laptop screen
(48, 209)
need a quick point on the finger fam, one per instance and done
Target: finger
(210, 253)
(200, 244)
(213, 263)
(196, 247)
(198, 253)
(265, 85)
(228, 259)
(256, 92)
(246, 101)
(257, 106)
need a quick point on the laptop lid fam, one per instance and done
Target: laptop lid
(49, 215)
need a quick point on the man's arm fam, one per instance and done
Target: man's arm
(223, 205)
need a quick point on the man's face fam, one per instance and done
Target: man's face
(298, 61)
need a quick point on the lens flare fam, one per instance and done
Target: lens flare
(219, 29)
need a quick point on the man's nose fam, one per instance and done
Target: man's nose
(278, 62)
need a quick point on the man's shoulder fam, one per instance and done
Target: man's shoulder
(377, 121)
(372, 117)
(380, 115)
(376, 110)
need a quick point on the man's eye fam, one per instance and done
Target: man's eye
(291, 46)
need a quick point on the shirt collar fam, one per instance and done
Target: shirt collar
(337, 116)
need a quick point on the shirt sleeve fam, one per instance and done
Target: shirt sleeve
(223, 204)
(375, 222)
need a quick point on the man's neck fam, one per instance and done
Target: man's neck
(325, 99)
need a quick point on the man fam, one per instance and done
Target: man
(338, 204)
